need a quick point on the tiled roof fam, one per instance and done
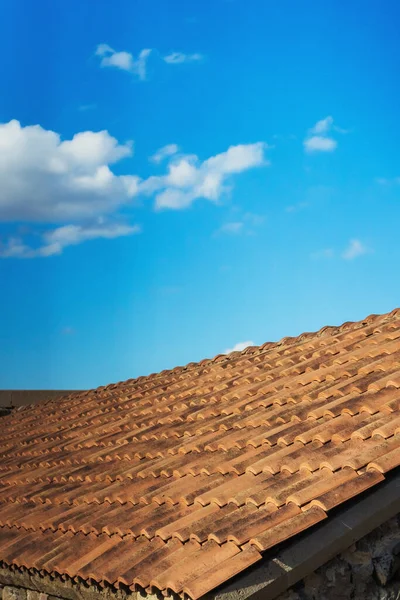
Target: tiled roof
(182, 479)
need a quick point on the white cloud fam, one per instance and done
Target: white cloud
(322, 126)
(124, 60)
(318, 143)
(354, 249)
(189, 179)
(176, 58)
(319, 137)
(54, 241)
(164, 152)
(239, 347)
(45, 179)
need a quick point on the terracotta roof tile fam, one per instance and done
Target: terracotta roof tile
(152, 482)
(227, 568)
(289, 527)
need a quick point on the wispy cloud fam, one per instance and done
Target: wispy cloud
(178, 58)
(54, 241)
(246, 225)
(189, 179)
(163, 153)
(232, 227)
(319, 137)
(355, 249)
(123, 60)
(323, 126)
(239, 347)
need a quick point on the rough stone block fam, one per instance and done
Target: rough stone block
(33, 595)
(357, 558)
(386, 567)
(13, 593)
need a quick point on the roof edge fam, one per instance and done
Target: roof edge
(299, 557)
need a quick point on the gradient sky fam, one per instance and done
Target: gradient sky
(272, 209)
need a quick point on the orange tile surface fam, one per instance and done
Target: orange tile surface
(181, 480)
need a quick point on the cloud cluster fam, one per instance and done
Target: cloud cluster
(319, 137)
(45, 180)
(188, 178)
(124, 60)
(69, 190)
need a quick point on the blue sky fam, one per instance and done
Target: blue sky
(177, 178)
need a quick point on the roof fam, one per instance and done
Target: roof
(153, 482)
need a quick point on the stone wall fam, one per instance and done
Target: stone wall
(369, 570)
(21, 585)
(14, 593)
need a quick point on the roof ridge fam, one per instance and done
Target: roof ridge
(250, 350)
